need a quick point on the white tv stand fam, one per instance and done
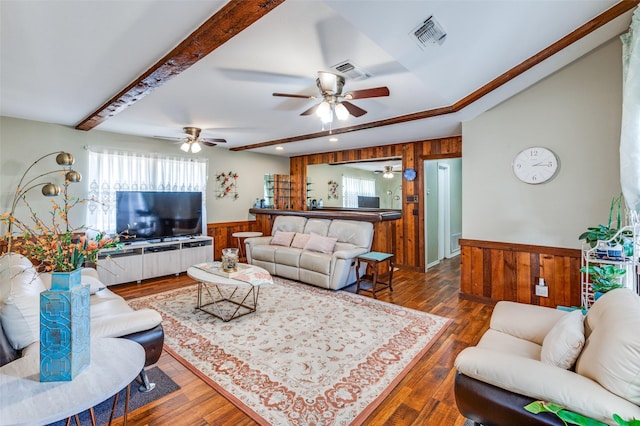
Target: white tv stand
(142, 260)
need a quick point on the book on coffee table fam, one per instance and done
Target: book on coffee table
(214, 268)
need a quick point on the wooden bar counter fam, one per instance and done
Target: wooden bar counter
(384, 228)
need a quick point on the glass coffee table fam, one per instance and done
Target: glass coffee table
(228, 295)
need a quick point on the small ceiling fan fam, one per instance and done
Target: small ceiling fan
(387, 172)
(333, 101)
(192, 140)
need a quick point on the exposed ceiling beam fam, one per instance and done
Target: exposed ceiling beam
(229, 21)
(582, 31)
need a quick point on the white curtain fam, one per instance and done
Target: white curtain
(111, 171)
(354, 186)
(630, 132)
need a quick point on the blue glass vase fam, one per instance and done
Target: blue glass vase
(64, 327)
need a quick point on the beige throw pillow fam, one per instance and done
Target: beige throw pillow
(282, 238)
(300, 240)
(321, 244)
(563, 343)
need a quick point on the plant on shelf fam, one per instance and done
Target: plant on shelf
(604, 278)
(605, 232)
(608, 239)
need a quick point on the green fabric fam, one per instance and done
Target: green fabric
(377, 256)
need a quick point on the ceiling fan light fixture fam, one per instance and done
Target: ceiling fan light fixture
(195, 147)
(185, 147)
(341, 112)
(388, 172)
(329, 83)
(324, 112)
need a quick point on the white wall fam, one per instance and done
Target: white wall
(576, 112)
(22, 142)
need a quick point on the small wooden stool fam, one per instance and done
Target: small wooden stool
(372, 259)
(246, 234)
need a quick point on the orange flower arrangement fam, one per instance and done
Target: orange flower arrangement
(58, 247)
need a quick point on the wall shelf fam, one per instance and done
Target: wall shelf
(595, 256)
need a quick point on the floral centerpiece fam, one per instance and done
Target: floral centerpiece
(57, 246)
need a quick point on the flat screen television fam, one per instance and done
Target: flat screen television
(151, 215)
(370, 202)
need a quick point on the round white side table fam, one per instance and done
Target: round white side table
(24, 400)
(246, 234)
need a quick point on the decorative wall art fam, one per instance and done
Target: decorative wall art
(227, 185)
(333, 190)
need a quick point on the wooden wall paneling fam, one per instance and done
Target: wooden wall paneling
(487, 276)
(523, 277)
(498, 282)
(221, 233)
(575, 291)
(477, 271)
(503, 271)
(559, 288)
(509, 288)
(465, 270)
(411, 239)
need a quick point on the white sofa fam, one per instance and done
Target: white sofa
(528, 354)
(332, 269)
(111, 316)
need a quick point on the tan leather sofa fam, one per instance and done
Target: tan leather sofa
(333, 270)
(111, 315)
(520, 359)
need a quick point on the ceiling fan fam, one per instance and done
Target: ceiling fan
(387, 172)
(192, 140)
(333, 101)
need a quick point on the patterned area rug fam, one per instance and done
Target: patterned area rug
(307, 356)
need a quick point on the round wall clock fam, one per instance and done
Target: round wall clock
(409, 174)
(535, 165)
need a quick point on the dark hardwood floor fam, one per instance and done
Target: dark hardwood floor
(423, 397)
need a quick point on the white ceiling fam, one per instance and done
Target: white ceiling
(61, 60)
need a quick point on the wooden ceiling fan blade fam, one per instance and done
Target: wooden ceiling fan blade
(311, 110)
(375, 92)
(353, 110)
(213, 141)
(291, 95)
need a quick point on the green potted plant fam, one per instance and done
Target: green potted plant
(572, 418)
(607, 239)
(604, 278)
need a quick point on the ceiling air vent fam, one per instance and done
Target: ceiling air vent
(351, 70)
(429, 31)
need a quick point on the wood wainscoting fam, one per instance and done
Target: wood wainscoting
(502, 271)
(221, 233)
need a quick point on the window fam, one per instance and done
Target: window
(111, 171)
(354, 186)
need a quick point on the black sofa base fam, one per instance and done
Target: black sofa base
(490, 405)
(151, 340)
